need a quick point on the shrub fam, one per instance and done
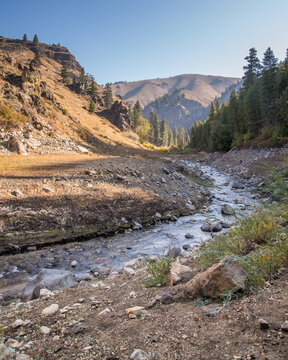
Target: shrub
(158, 269)
(10, 119)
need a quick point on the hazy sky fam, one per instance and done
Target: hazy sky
(141, 39)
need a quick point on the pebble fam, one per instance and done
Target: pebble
(74, 263)
(139, 354)
(128, 272)
(188, 236)
(45, 330)
(104, 312)
(50, 310)
(284, 326)
(17, 323)
(56, 338)
(263, 324)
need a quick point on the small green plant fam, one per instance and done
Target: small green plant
(158, 269)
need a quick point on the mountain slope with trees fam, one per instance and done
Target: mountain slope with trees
(256, 115)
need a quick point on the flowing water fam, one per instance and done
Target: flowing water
(118, 249)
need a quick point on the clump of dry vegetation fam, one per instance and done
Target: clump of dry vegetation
(10, 119)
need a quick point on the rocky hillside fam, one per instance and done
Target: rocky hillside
(181, 99)
(39, 113)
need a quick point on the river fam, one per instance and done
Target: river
(116, 250)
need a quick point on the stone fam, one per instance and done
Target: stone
(14, 344)
(73, 263)
(135, 263)
(167, 299)
(48, 189)
(136, 225)
(174, 252)
(139, 355)
(158, 216)
(136, 310)
(124, 220)
(220, 277)
(22, 357)
(82, 149)
(101, 269)
(190, 207)
(284, 326)
(84, 277)
(186, 247)
(104, 312)
(17, 193)
(206, 227)
(263, 324)
(188, 236)
(237, 185)
(128, 272)
(215, 227)
(227, 210)
(166, 171)
(45, 292)
(6, 353)
(17, 323)
(50, 310)
(15, 145)
(45, 330)
(51, 279)
(119, 177)
(179, 273)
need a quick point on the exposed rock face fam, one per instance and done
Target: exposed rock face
(117, 115)
(220, 277)
(15, 145)
(50, 279)
(56, 52)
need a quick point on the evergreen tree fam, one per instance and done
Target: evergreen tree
(65, 74)
(154, 122)
(25, 37)
(175, 136)
(92, 88)
(170, 138)
(35, 40)
(164, 130)
(108, 96)
(142, 129)
(252, 69)
(92, 106)
(136, 114)
(181, 138)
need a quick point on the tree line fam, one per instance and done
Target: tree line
(256, 115)
(155, 131)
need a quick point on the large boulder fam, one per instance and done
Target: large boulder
(179, 273)
(50, 279)
(227, 210)
(15, 145)
(218, 278)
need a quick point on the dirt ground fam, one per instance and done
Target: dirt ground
(184, 329)
(60, 198)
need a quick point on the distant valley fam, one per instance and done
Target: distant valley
(181, 99)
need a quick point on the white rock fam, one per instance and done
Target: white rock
(158, 215)
(56, 338)
(137, 226)
(22, 357)
(45, 330)
(17, 323)
(46, 292)
(104, 312)
(14, 344)
(50, 310)
(74, 263)
(128, 272)
(135, 263)
(139, 355)
(133, 294)
(82, 149)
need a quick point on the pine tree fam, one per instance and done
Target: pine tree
(92, 106)
(108, 96)
(175, 136)
(65, 74)
(92, 88)
(136, 114)
(164, 129)
(35, 40)
(170, 138)
(25, 37)
(154, 122)
(181, 138)
(252, 69)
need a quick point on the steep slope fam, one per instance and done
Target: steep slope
(40, 114)
(200, 88)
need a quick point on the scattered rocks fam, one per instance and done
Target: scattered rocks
(215, 227)
(135, 311)
(16, 193)
(50, 279)
(128, 272)
(220, 277)
(135, 263)
(100, 269)
(17, 323)
(190, 207)
(50, 310)
(15, 145)
(237, 185)
(188, 236)
(136, 225)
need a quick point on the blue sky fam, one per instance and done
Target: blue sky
(141, 39)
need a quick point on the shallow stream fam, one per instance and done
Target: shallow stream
(118, 249)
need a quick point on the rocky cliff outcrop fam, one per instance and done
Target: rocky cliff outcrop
(118, 115)
(56, 52)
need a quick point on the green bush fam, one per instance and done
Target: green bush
(158, 269)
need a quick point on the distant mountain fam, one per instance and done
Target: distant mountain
(181, 99)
